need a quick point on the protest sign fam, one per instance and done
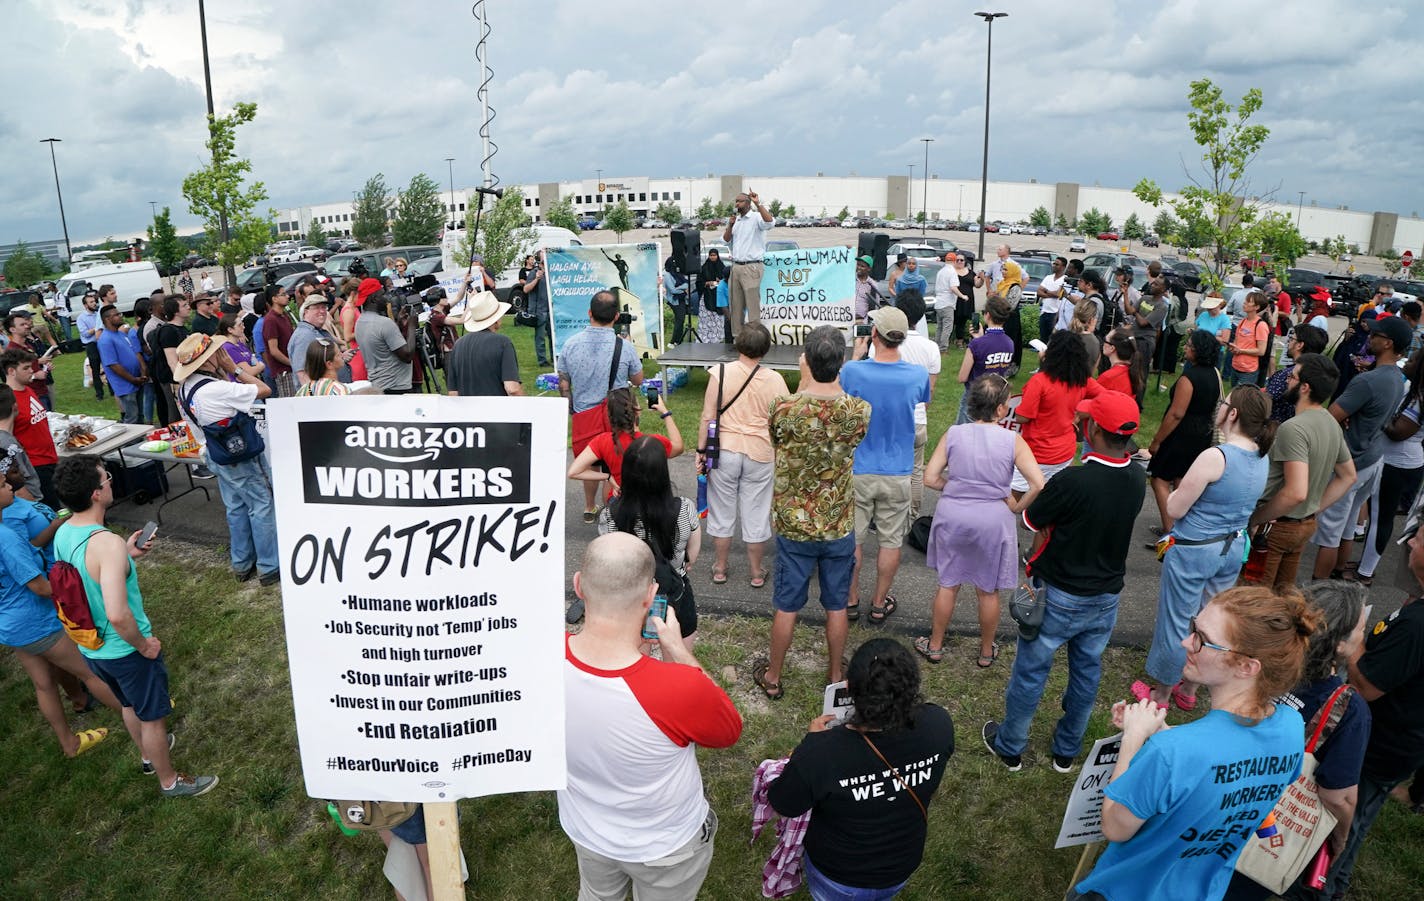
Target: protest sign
(1083, 819)
(630, 271)
(422, 589)
(837, 700)
(805, 288)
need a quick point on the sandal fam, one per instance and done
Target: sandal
(590, 516)
(933, 655)
(1142, 691)
(853, 611)
(719, 576)
(89, 739)
(878, 614)
(758, 580)
(994, 655)
(1183, 701)
(1354, 575)
(772, 690)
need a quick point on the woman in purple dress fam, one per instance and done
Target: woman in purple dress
(974, 537)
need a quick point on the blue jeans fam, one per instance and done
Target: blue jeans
(1084, 625)
(147, 402)
(128, 406)
(252, 528)
(1190, 577)
(823, 888)
(1370, 801)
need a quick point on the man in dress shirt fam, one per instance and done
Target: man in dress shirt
(746, 234)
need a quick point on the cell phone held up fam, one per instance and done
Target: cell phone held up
(659, 609)
(653, 397)
(149, 528)
(862, 331)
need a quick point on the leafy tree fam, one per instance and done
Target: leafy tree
(1230, 143)
(1132, 229)
(774, 208)
(705, 209)
(1040, 217)
(1061, 222)
(725, 210)
(368, 220)
(561, 213)
(163, 243)
(1095, 221)
(316, 235)
(1354, 249)
(24, 267)
(504, 232)
(920, 216)
(669, 212)
(216, 193)
(618, 219)
(1334, 248)
(1166, 224)
(789, 209)
(420, 212)
(1276, 234)
(845, 211)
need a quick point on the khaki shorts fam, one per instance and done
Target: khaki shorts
(885, 501)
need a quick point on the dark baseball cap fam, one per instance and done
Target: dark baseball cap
(1396, 330)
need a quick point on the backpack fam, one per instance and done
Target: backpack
(71, 602)
(230, 440)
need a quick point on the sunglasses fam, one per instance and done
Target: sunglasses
(1199, 639)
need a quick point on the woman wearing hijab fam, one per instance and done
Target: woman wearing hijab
(712, 324)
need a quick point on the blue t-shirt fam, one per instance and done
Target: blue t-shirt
(29, 518)
(259, 345)
(120, 348)
(892, 390)
(1214, 323)
(25, 617)
(1203, 789)
(585, 361)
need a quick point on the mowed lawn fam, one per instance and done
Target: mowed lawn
(95, 827)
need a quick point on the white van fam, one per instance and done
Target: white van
(132, 281)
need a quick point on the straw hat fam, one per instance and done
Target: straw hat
(483, 310)
(194, 352)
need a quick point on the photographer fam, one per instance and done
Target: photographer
(386, 335)
(438, 330)
(536, 294)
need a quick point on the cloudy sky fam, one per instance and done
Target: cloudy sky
(1091, 93)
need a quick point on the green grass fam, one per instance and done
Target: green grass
(105, 832)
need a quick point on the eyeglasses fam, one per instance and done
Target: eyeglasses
(1199, 639)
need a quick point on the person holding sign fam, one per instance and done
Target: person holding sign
(869, 782)
(634, 806)
(746, 235)
(1183, 802)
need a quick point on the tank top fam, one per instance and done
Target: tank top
(1226, 504)
(71, 543)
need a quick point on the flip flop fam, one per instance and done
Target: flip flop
(758, 580)
(89, 739)
(590, 516)
(878, 614)
(719, 577)
(993, 656)
(933, 655)
(772, 690)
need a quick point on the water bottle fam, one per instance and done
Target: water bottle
(701, 495)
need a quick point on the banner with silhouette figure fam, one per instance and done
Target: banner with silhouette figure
(630, 271)
(804, 288)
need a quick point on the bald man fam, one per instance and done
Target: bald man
(636, 816)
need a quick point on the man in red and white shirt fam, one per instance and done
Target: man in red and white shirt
(634, 807)
(31, 418)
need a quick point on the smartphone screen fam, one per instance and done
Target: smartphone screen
(862, 331)
(147, 534)
(659, 609)
(652, 396)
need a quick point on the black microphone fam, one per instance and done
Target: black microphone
(497, 192)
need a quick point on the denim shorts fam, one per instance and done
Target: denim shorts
(412, 831)
(798, 561)
(137, 682)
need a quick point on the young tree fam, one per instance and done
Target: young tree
(845, 211)
(561, 214)
(1334, 248)
(24, 267)
(1061, 222)
(504, 232)
(920, 216)
(1230, 144)
(1095, 221)
(420, 213)
(368, 220)
(163, 243)
(1040, 217)
(706, 209)
(618, 219)
(1132, 229)
(316, 235)
(669, 212)
(215, 193)
(1276, 234)
(1166, 224)
(725, 210)
(789, 209)
(774, 208)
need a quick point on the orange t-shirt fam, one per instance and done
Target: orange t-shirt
(1250, 334)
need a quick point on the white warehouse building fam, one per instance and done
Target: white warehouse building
(897, 195)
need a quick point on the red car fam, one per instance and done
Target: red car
(1107, 236)
(991, 227)
(1261, 262)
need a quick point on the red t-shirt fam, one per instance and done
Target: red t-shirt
(1283, 307)
(612, 456)
(1117, 378)
(32, 428)
(276, 326)
(1050, 406)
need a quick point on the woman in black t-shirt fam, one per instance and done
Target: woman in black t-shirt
(867, 830)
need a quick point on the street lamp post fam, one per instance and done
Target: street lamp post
(925, 204)
(69, 254)
(1298, 206)
(229, 273)
(910, 194)
(984, 177)
(450, 163)
(153, 208)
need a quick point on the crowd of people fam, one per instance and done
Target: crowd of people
(1267, 444)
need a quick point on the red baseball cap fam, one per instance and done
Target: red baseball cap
(1113, 411)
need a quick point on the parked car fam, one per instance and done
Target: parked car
(943, 245)
(973, 227)
(1107, 236)
(722, 249)
(1151, 241)
(1190, 272)
(1035, 269)
(1106, 263)
(782, 244)
(339, 266)
(195, 261)
(1260, 261)
(250, 280)
(1079, 244)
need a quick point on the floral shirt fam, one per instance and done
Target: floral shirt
(815, 439)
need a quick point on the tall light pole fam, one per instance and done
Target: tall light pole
(228, 272)
(69, 254)
(984, 177)
(450, 163)
(910, 194)
(153, 208)
(925, 205)
(1298, 208)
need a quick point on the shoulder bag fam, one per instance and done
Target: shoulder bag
(901, 779)
(231, 440)
(594, 421)
(1026, 608)
(712, 448)
(1302, 823)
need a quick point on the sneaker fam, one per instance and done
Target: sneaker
(1062, 764)
(147, 765)
(202, 472)
(189, 786)
(271, 578)
(1014, 762)
(246, 575)
(575, 612)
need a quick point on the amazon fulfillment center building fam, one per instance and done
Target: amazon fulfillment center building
(889, 195)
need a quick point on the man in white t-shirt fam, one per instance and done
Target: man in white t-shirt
(920, 350)
(746, 235)
(1052, 295)
(946, 300)
(634, 806)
